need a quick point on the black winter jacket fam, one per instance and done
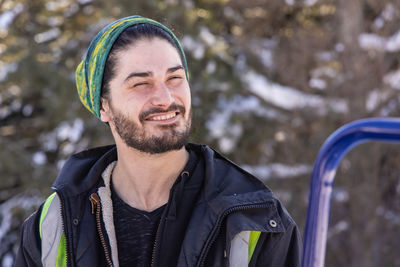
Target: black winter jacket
(204, 215)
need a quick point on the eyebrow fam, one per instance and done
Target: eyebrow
(149, 73)
(179, 67)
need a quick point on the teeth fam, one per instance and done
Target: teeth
(164, 117)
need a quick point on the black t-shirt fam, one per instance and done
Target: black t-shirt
(136, 229)
(135, 232)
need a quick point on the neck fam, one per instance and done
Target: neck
(144, 180)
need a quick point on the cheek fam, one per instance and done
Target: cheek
(186, 96)
(128, 109)
(133, 101)
(188, 100)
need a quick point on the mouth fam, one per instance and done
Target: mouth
(165, 117)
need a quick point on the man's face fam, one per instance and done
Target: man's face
(149, 105)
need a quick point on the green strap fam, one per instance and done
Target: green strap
(45, 209)
(254, 236)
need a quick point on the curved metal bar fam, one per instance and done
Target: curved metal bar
(328, 159)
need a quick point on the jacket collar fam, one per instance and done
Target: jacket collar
(82, 171)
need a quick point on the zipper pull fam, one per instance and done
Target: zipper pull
(94, 200)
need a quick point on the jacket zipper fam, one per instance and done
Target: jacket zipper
(95, 201)
(153, 254)
(215, 231)
(155, 245)
(67, 249)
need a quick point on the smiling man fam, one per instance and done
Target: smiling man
(152, 199)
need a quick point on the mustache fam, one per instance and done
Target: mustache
(151, 111)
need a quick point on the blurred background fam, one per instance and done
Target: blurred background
(271, 80)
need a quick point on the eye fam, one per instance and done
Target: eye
(140, 84)
(175, 80)
(174, 77)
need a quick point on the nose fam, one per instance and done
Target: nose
(162, 96)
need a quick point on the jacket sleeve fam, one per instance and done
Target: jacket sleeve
(29, 252)
(278, 249)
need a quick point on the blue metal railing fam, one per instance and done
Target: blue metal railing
(328, 159)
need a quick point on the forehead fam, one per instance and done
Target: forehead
(148, 55)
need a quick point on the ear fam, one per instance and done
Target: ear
(105, 110)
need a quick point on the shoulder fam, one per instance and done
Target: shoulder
(225, 178)
(223, 174)
(29, 252)
(30, 230)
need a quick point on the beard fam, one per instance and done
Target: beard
(135, 136)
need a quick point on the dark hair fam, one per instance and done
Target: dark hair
(128, 37)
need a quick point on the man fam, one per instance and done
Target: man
(152, 198)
